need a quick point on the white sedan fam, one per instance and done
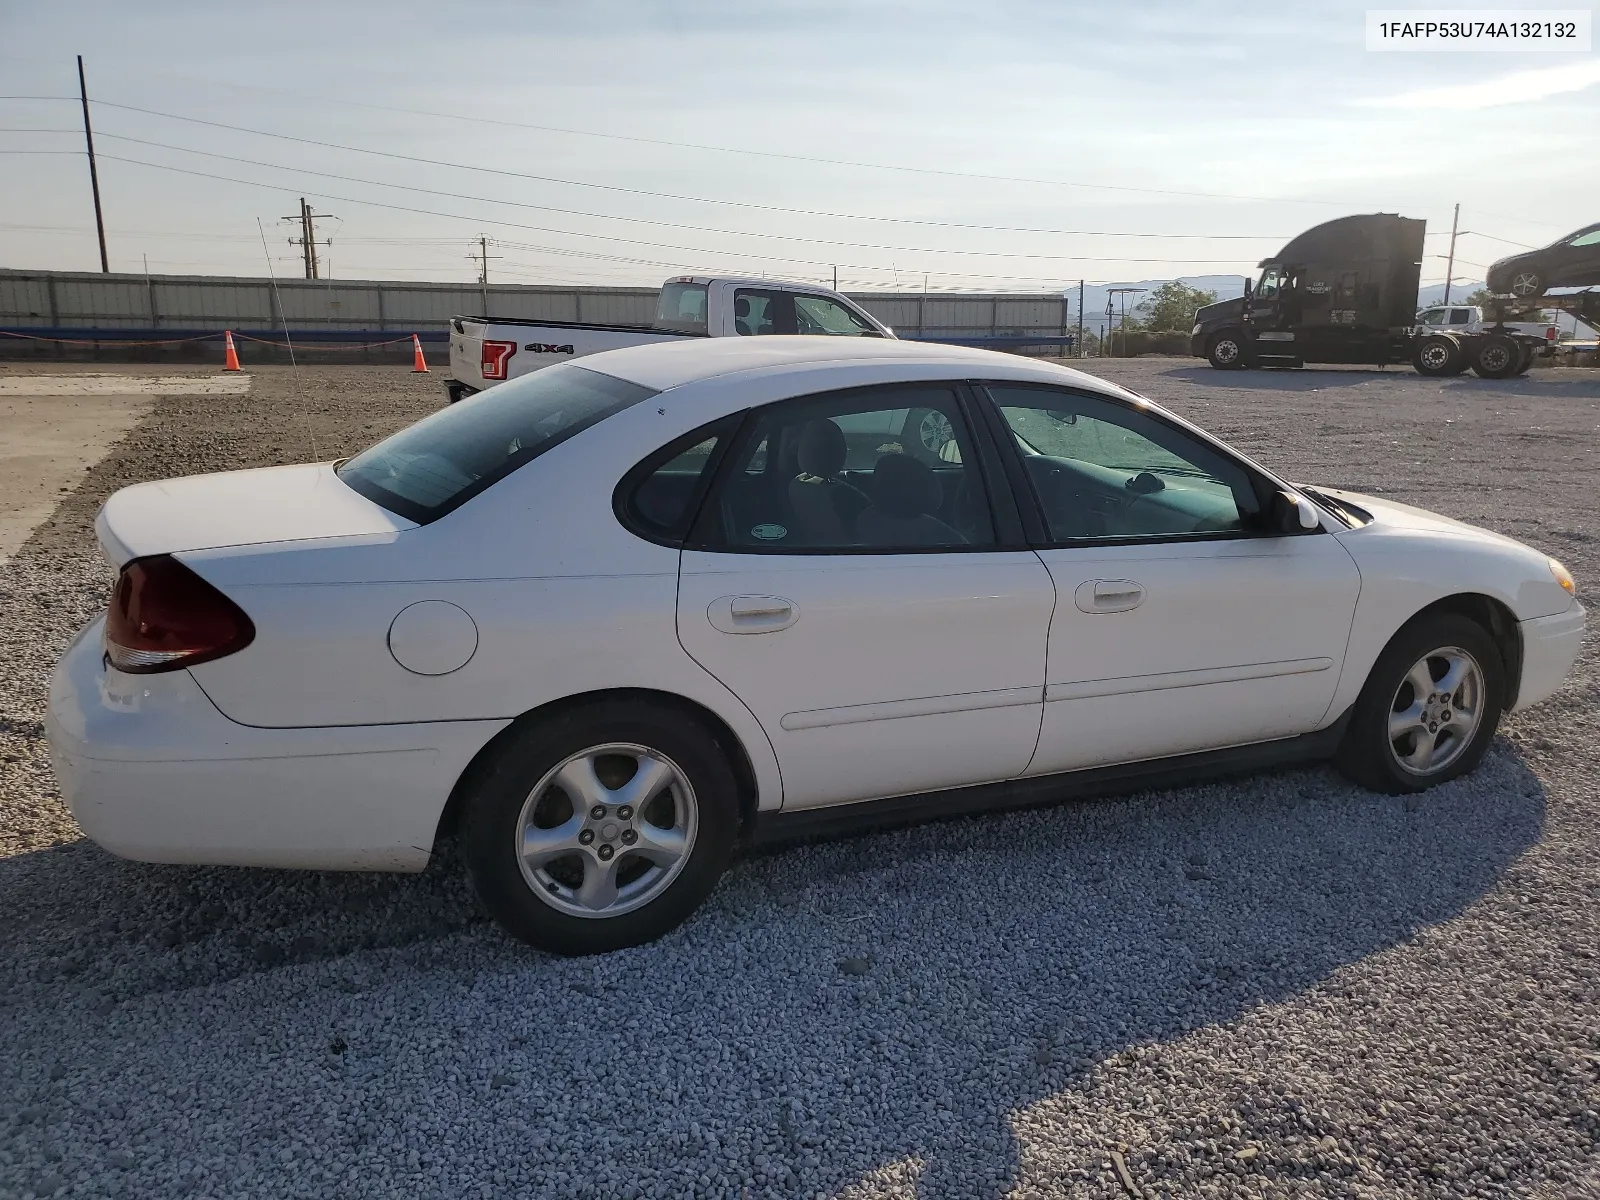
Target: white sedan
(609, 620)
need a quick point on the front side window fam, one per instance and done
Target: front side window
(1271, 279)
(1101, 470)
(1434, 316)
(442, 461)
(681, 308)
(820, 315)
(1591, 238)
(879, 469)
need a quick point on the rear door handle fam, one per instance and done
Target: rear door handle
(1108, 595)
(752, 614)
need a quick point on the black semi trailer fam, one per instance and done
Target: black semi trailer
(1346, 292)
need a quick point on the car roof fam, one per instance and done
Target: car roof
(664, 365)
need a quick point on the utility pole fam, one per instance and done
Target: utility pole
(482, 258)
(836, 279)
(307, 241)
(1080, 318)
(94, 175)
(1450, 264)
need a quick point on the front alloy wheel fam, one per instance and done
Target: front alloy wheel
(1436, 711)
(1429, 708)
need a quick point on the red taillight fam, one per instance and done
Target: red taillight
(495, 357)
(163, 616)
(1551, 333)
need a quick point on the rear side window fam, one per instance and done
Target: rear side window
(681, 308)
(442, 461)
(659, 498)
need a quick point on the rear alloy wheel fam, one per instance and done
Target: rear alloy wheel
(1429, 708)
(1438, 356)
(1497, 357)
(1527, 283)
(1225, 351)
(604, 828)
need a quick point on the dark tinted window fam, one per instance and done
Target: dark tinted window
(660, 496)
(442, 461)
(876, 469)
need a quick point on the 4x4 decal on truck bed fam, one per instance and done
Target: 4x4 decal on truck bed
(548, 348)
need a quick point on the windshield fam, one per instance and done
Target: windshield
(681, 307)
(444, 460)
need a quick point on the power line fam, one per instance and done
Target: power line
(580, 183)
(567, 233)
(838, 162)
(646, 220)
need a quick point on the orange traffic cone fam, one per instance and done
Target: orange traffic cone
(418, 363)
(230, 356)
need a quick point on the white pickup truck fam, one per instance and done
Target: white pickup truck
(1468, 318)
(487, 350)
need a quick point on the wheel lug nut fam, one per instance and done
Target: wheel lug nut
(585, 836)
(629, 837)
(626, 812)
(605, 852)
(598, 812)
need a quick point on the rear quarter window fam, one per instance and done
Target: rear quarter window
(441, 462)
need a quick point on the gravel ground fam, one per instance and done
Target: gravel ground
(1276, 987)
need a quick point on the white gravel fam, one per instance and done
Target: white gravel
(1276, 987)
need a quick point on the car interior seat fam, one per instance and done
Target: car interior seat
(824, 505)
(905, 495)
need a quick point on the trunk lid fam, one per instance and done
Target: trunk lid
(236, 508)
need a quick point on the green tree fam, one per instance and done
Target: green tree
(1170, 306)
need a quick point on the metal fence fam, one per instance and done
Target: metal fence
(73, 307)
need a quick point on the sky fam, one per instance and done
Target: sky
(977, 147)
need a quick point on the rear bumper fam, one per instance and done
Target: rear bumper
(153, 771)
(1550, 646)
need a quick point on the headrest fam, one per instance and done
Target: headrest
(821, 451)
(905, 486)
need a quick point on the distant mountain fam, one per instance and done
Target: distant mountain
(1433, 293)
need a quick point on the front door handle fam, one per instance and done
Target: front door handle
(752, 614)
(1108, 595)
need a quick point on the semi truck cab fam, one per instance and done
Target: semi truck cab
(1342, 292)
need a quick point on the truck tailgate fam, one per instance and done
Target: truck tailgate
(466, 352)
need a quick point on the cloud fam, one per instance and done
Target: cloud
(1516, 88)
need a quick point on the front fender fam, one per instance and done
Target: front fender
(1405, 570)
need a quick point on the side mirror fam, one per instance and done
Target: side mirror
(1294, 514)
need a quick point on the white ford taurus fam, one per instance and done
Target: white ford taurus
(610, 619)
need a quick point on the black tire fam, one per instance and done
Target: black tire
(504, 786)
(1527, 360)
(1437, 356)
(1225, 350)
(1496, 357)
(1368, 753)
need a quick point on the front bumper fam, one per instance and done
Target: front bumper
(153, 771)
(1550, 646)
